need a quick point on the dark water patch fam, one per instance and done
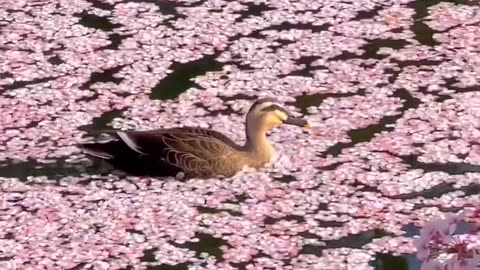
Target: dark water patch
(54, 171)
(371, 48)
(308, 61)
(51, 51)
(22, 170)
(350, 241)
(437, 191)
(16, 199)
(6, 258)
(227, 112)
(286, 179)
(309, 235)
(9, 236)
(237, 97)
(306, 71)
(299, 26)
(452, 168)
(149, 255)
(411, 230)
(463, 227)
(4, 75)
(438, 98)
(169, 8)
(449, 83)
(430, 193)
(103, 76)
(101, 4)
(166, 7)
(373, 45)
(421, 6)
(181, 79)
(238, 64)
(29, 125)
(29, 209)
(271, 220)
(398, 30)
(66, 193)
(210, 210)
(367, 14)
(417, 63)
(253, 9)
(190, 3)
(409, 101)
(345, 55)
(450, 209)
(241, 197)
(423, 33)
(330, 224)
(128, 162)
(331, 167)
(312, 250)
(21, 84)
(386, 261)
(466, 227)
(206, 243)
(457, 26)
(386, 124)
(442, 98)
(134, 231)
(55, 60)
(115, 41)
(392, 74)
(101, 122)
(281, 43)
(320, 206)
(79, 266)
(361, 187)
(418, 144)
(96, 22)
(357, 240)
(243, 265)
(314, 100)
(472, 189)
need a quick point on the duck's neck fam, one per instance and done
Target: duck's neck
(257, 143)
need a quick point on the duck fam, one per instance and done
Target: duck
(195, 152)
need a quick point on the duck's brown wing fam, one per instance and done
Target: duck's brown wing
(191, 149)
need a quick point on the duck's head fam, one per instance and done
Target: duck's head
(267, 113)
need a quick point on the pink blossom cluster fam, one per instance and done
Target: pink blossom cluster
(440, 248)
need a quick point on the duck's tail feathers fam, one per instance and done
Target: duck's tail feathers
(99, 150)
